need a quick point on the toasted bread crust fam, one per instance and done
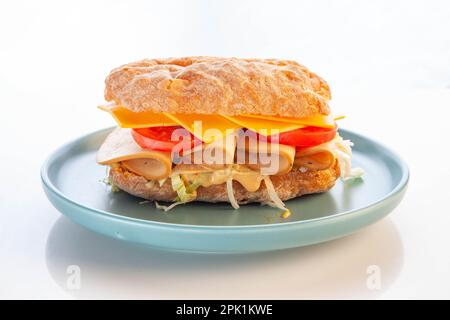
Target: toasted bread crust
(288, 186)
(212, 85)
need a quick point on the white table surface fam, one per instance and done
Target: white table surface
(389, 69)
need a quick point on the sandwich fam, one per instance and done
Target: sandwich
(221, 130)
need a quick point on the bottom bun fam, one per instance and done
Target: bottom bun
(293, 184)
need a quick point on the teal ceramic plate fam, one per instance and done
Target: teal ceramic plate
(72, 182)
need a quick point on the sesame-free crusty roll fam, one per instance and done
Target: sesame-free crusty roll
(212, 85)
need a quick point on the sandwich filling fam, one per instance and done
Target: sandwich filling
(194, 151)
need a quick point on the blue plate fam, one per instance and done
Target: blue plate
(72, 181)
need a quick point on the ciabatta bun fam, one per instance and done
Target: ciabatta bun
(212, 85)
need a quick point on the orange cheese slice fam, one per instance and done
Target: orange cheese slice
(128, 119)
(211, 127)
(316, 121)
(263, 126)
(206, 127)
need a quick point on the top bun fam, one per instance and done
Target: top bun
(212, 85)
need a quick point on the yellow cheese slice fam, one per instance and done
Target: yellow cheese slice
(128, 119)
(317, 121)
(119, 146)
(207, 128)
(263, 126)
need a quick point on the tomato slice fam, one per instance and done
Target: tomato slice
(307, 136)
(160, 138)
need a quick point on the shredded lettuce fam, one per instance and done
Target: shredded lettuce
(184, 195)
(355, 173)
(192, 187)
(344, 155)
(151, 183)
(107, 180)
(161, 181)
(167, 208)
(276, 201)
(114, 188)
(230, 194)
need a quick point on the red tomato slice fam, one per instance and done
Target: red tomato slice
(307, 136)
(160, 138)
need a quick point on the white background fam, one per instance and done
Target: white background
(387, 62)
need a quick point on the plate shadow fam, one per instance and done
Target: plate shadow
(114, 269)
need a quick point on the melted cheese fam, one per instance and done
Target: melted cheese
(128, 119)
(206, 177)
(251, 182)
(119, 146)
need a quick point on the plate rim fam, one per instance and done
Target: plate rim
(49, 186)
